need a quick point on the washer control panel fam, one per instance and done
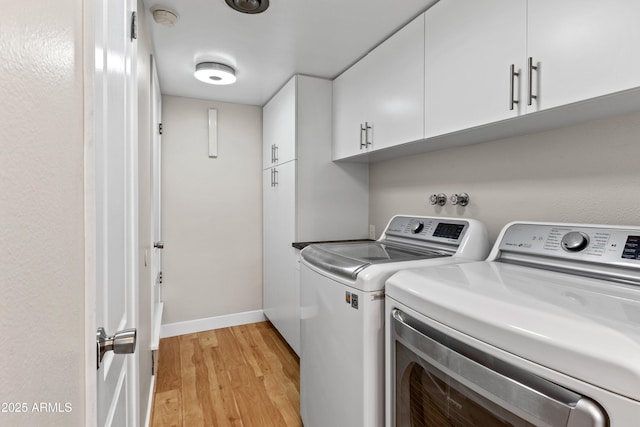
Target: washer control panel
(615, 245)
(427, 229)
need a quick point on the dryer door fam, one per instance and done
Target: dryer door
(439, 381)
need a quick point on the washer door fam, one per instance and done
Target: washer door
(439, 381)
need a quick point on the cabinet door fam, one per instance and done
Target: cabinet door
(350, 104)
(396, 87)
(469, 49)
(281, 292)
(269, 229)
(279, 126)
(584, 49)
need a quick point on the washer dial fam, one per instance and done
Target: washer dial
(574, 241)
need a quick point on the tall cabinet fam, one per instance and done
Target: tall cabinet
(306, 197)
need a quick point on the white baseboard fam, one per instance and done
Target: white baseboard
(199, 325)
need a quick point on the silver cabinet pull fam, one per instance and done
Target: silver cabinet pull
(531, 68)
(272, 152)
(122, 342)
(275, 177)
(272, 177)
(512, 99)
(275, 156)
(367, 140)
(362, 140)
(159, 244)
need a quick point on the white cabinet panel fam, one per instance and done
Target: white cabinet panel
(579, 50)
(281, 293)
(397, 88)
(584, 49)
(279, 126)
(350, 102)
(383, 94)
(469, 48)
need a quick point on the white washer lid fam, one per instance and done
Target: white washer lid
(585, 328)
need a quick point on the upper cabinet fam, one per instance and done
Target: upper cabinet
(279, 127)
(379, 101)
(582, 49)
(492, 60)
(489, 70)
(469, 49)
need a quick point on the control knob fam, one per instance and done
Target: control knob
(417, 227)
(574, 241)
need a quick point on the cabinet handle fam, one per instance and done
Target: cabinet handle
(531, 68)
(512, 99)
(272, 177)
(367, 141)
(272, 149)
(362, 140)
(276, 154)
(275, 177)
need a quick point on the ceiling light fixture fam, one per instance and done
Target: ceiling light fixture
(248, 6)
(215, 73)
(164, 17)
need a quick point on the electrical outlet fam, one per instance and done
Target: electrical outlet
(372, 232)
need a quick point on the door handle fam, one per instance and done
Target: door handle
(159, 244)
(122, 342)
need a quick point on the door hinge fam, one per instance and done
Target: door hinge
(153, 364)
(134, 26)
(160, 128)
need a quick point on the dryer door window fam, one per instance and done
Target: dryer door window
(440, 381)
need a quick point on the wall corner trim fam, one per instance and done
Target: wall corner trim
(206, 324)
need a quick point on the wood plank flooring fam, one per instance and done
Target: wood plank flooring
(243, 376)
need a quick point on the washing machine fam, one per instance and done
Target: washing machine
(342, 309)
(545, 332)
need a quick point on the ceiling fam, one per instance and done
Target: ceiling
(321, 38)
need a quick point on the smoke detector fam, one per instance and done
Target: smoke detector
(164, 16)
(248, 6)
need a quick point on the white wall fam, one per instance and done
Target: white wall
(583, 173)
(211, 210)
(42, 333)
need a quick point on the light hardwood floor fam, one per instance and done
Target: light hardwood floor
(243, 376)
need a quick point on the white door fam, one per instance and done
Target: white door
(115, 114)
(156, 216)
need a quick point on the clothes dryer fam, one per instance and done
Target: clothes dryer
(546, 332)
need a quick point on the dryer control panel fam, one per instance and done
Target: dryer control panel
(614, 245)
